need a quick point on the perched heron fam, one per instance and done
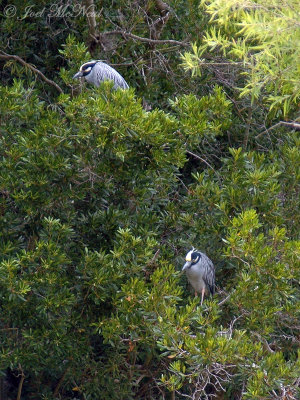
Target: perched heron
(200, 272)
(97, 71)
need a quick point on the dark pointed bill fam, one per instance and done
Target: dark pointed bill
(78, 75)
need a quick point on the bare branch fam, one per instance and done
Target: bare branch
(94, 35)
(5, 56)
(60, 382)
(246, 137)
(224, 300)
(292, 125)
(163, 7)
(147, 40)
(154, 257)
(264, 341)
(201, 159)
(158, 25)
(90, 14)
(20, 384)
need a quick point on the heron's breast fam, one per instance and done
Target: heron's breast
(195, 277)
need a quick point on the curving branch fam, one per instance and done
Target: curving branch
(142, 39)
(5, 56)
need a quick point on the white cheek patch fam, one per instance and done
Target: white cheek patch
(189, 256)
(82, 69)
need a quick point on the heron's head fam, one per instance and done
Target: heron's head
(192, 257)
(85, 69)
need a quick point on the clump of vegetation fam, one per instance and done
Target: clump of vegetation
(103, 192)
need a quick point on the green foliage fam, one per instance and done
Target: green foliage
(208, 116)
(264, 35)
(100, 199)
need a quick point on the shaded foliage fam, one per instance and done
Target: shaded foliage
(102, 192)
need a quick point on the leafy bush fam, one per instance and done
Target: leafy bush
(101, 198)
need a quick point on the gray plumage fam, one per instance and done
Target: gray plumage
(97, 71)
(200, 272)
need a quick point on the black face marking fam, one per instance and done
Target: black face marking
(195, 257)
(86, 68)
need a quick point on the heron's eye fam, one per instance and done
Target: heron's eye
(196, 260)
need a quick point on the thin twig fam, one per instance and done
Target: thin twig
(201, 159)
(221, 63)
(183, 184)
(220, 303)
(262, 339)
(224, 300)
(147, 40)
(246, 138)
(6, 56)
(154, 257)
(293, 125)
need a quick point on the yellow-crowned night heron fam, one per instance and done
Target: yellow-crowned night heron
(97, 71)
(200, 272)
